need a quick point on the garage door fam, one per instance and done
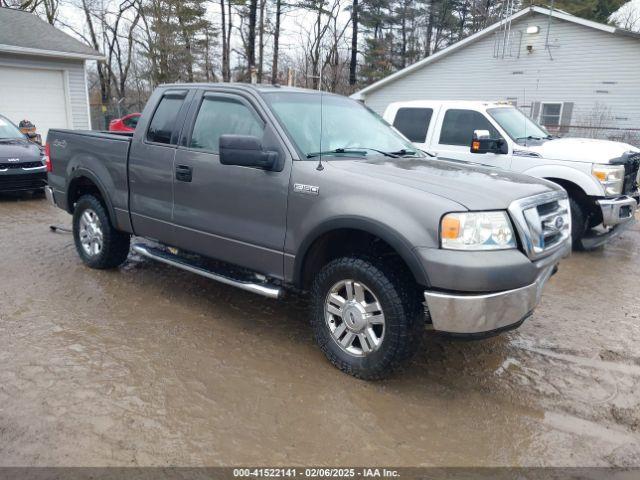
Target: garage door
(35, 95)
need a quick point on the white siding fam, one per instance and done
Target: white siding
(75, 81)
(586, 63)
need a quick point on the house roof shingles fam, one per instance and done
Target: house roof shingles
(23, 32)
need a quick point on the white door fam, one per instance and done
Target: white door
(36, 95)
(453, 138)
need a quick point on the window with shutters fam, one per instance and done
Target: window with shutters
(551, 114)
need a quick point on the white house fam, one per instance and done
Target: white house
(42, 73)
(571, 74)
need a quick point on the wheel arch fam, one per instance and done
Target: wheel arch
(569, 186)
(84, 181)
(570, 176)
(316, 242)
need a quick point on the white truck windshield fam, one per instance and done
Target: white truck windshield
(517, 125)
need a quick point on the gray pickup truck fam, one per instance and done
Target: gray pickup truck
(269, 189)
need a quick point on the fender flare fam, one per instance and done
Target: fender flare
(83, 172)
(400, 244)
(589, 185)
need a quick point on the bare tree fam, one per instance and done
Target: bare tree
(276, 43)
(48, 8)
(251, 39)
(353, 63)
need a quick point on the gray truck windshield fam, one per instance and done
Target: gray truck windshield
(8, 129)
(517, 125)
(336, 126)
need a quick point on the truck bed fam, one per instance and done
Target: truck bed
(100, 156)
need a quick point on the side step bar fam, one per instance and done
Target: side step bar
(264, 289)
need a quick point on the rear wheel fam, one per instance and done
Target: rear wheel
(366, 316)
(98, 243)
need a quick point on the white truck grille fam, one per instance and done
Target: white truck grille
(543, 223)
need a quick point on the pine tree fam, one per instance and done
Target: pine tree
(596, 10)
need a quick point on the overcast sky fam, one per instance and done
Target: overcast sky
(297, 22)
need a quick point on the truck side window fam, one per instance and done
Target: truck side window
(163, 121)
(458, 127)
(220, 116)
(413, 123)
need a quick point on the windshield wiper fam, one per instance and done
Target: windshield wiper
(530, 137)
(355, 150)
(403, 153)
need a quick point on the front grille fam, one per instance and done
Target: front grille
(631, 174)
(15, 166)
(10, 183)
(543, 222)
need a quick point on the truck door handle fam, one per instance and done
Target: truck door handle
(184, 173)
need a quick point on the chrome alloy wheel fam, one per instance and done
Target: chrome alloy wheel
(354, 317)
(90, 229)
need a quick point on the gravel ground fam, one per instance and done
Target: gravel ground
(149, 365)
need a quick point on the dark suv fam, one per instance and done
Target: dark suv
(22, 165)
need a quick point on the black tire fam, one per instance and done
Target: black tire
(115, 244)
(399, 298)
(578, 223)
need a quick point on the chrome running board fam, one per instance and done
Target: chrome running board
(264, 289)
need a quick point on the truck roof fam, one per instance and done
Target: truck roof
(451, 103)
(259, 88)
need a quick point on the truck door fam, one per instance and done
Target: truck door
(231, 213)
(151, 166)
(453, 138)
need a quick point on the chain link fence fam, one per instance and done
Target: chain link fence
(626, 135)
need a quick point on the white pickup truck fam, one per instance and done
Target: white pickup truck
(600, 176)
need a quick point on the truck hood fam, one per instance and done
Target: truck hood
(19, 151)
(582, 150)
(474, 186)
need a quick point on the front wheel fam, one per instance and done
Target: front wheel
(366, 316)
(98, 243)
(578, 223)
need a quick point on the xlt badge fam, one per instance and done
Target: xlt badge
(306, 189)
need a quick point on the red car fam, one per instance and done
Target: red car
(125, 124)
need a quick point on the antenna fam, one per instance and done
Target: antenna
(320, 167)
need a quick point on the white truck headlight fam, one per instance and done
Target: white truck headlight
(477, 231)
(611, 177)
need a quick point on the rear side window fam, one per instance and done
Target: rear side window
(163, 123)
(458, 127)
(413, 123)
(221, 116)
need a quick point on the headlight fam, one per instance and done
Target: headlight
(477, 231)
(611, 177)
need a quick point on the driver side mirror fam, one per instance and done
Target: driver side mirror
(246, 151)
(483, 143)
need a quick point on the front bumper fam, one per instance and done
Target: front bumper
(23, 179)
(617, 210)
(474, 314)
